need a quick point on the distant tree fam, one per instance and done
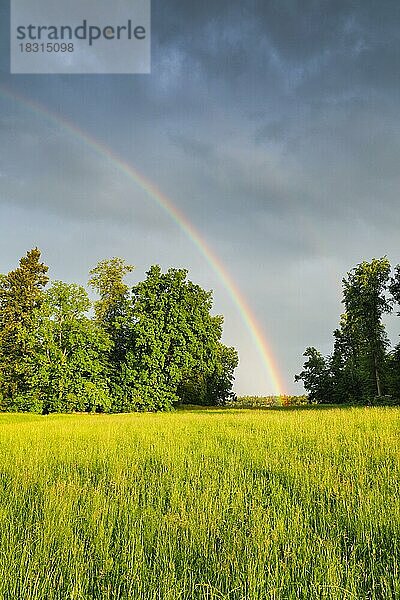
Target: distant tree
(316, 377)
(364, 292)
(69, 354)
(21, 297)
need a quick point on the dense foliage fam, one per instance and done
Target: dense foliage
(282, 401)
(145, 348)
(362, 366)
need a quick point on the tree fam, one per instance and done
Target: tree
(214, 388)
(21, 297)
(347, 378)
(113, 315)
(316, 377)
(69, 354)
(107, 278)
(394, 286)
(173, 337)
(366, 302)
(394, 356)
(140, 351)
(220, 380)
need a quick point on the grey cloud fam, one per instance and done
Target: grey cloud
(193, 146)
(62, 176)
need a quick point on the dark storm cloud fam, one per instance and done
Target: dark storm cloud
(344, 43)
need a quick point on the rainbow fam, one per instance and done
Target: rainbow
(180, 219)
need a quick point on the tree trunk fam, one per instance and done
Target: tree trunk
(377, 378)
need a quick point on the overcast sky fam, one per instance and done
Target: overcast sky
(272, 125)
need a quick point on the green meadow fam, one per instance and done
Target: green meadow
(211, 504)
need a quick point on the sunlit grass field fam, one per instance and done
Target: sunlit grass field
(212, 504)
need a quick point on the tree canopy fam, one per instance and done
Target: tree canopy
(362, 367)
(145, 347)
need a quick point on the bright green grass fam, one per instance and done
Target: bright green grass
(235, 505)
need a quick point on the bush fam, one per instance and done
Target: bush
(268, 401)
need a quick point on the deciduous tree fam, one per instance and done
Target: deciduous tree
(364, 296)
(69, 354)
(316, 377)
(173, 336)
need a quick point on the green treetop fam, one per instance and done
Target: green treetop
(21, 296)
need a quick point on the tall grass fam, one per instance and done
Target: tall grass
(229, 504)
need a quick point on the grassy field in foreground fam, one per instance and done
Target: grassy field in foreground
(221, 504)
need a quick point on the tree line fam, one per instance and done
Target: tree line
(147, 347)
(362, 366)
